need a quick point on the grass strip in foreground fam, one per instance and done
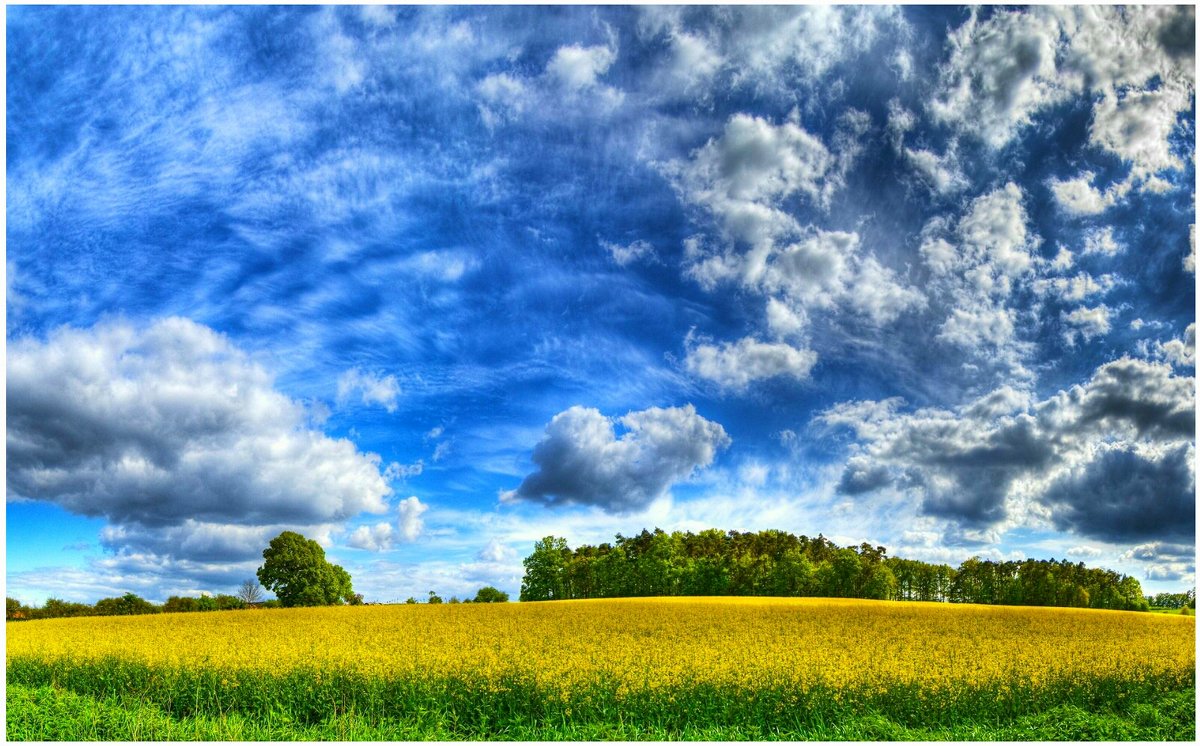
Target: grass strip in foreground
(119, 700)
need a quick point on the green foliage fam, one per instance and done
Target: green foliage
(434, 598)
(490, 595)
(546, 571)
(116, 700)
(295, 569)
(130, 603)
(14, 610)
(777, 563)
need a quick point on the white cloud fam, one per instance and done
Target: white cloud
(1085, 552)
(630, 253)
(1181, 352)
(736, 365)
(1077, 288)
(582, 461)
(1003, 71)
(572, 73)
(170, 428)
(1000, 72)
(741, 177)
(411, 525)
(995, 235)
(502, 96)
(1101, 242)
(1189, 261)
(980, 328)
(1090, 322)
(374, 538)
(1136, 127)
(380, 537)
(396, 470)
(1078, 197)
(941, 172)
(577, 68)
(371, 387)
(783, 320)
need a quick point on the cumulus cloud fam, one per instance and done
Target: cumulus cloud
(372, 388)
(746, 180)
(1089, 322)
(741, 177)
(1079, 197)
(1001, 72)
(769, 49)
(374, 538)
(1136, 127)
(172, 429)
(1122, 495)
(976, 263)
(1181, 352)
(382, 536)
(411, 524)
(576, 67)
(581, 459)
(736, 365)
(1005, 458)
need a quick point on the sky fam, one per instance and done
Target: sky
(429, 284)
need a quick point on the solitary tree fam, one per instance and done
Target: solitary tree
(250, 592)
(296, 571)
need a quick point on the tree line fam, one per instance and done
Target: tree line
(130, 604)
(778, 563)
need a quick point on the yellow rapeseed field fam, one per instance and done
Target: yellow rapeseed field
(649, 643)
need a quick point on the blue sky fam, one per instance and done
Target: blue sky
(428, 284)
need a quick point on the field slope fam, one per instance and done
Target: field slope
(711, 668)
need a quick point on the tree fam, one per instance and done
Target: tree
(296, 571)
(546, 570)
(130, 603)
(434, 598)
(250, 591)
(14, 609)
(490, 595)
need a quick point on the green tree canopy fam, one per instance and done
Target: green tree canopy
(546, 570)
(490, 595)
(296, 571)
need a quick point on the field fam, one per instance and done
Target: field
(627, 669)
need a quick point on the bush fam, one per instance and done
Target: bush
(490, 595)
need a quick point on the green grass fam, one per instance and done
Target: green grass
(115, 700)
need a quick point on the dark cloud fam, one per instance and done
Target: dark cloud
(1177, 34)
(1161, 550)
(1122, 496)
(581, 460)
(860, 477)
(174, 437)
(1146, 395)
(962, 464)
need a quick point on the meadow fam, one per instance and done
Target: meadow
(661, 668)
